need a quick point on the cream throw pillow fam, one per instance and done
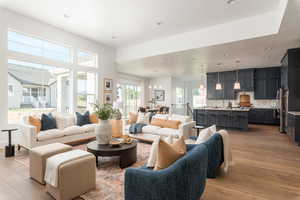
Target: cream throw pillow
(169, 153)
(143, 118)
(205, 134)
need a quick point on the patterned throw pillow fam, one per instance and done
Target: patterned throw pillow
(83, 119)
(48, 122)
(34, 121)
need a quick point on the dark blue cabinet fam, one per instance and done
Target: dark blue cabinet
(267, 83)
(263, 116)
(228, 119)
(291, 62)
(212, 79)
(246, 79)
(227, 80)
(293, 129)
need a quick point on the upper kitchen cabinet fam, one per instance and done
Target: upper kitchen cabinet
(228, 83)
(227, 80)
(267, 83)
(246, 79)
(212, 79)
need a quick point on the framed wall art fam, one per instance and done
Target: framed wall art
(108, 84)
(159, 95)
(107, 98)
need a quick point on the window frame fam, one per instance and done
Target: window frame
(87, 52)
(71, 58)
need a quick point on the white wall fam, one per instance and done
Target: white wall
(34, 27)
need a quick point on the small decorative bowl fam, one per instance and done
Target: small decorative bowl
(128, 140)
(115, 143)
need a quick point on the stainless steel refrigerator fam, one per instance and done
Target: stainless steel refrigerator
(283, 101)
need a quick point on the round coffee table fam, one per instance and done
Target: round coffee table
(126, 152)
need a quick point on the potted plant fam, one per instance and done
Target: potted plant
(103, 130)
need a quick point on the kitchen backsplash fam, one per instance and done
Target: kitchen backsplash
(274, 103)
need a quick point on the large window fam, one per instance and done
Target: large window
(86, 90)
(35, 88)
(199, 97)
(128, 98)
(179, 95)
(30, 45)
(87, 59)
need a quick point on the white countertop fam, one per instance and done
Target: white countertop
(294, 112)
(227, 109)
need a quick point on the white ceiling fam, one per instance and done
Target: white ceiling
(260, 52)
(135, 21)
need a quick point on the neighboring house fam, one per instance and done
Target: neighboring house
(30, 87)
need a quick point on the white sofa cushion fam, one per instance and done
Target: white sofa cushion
(89, 127)
(205, 134)
(168, 131)
(49, 134)
(73, 130)
(181, 118)
(151, 129)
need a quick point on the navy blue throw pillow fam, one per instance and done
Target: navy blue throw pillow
(48, 122)
(83, 119)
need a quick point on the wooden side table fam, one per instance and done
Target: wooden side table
(10, 148)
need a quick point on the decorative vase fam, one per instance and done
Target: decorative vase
(103, 132)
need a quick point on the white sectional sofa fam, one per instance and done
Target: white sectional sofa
(67, 131)
(149, 132)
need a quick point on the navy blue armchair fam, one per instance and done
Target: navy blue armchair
(184, 180)
(215, 154)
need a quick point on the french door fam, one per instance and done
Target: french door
(128, 98)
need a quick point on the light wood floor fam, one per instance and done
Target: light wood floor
(267, 166)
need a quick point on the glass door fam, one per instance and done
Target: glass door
(128, 98)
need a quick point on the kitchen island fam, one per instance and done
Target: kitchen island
(227, 118)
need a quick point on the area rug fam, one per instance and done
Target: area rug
(109, 177)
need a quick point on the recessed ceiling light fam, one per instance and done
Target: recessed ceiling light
(230, 1)
(159, 23)
(66, 16)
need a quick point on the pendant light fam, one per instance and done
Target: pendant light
(237, 85)
(218, 85)
(201, 82)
